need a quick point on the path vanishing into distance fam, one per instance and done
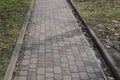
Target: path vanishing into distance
(55, 47)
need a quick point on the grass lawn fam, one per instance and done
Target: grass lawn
(103, 16)
(12, 15)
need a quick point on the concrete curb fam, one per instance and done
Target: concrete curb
(11, 67)
(108, 59)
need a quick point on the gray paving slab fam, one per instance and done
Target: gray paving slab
(56, 48)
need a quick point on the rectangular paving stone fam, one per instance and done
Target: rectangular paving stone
(69, 53)
(41, 71)
(33, 60)
(49, 55)
(84, 55)
(87, 63)
(73, 69)
(56, 59)
(32, 74)
(65, 65)
(41, 65)
(22, 78)
(72, 63)
(96, 69)
(85, 59)
(101, 79)
(23, 73)
(65, 71)
(67, 78)
(49, 75)
(33, 66)
(40, 77)
(81, 69)
(58, 76)
(35, 51)
(75, 75)
(57, 69)
(79, 63)
(71, 58)
(26, 57)
(84, 75)
(25, 62)
(99, 74)
(49, 69)
(92, 75)
(34, 55)
(64, 60)
(27, 52)
(57, 64)
(49, 78)
(49, 64)
(89, 69)
(56, 56)
(48, 59)
(76, 78)
(24, 67)
(41, 59)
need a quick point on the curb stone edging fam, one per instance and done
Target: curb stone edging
(11, 66)
(108, 59)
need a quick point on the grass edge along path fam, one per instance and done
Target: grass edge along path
(12, 17)
(104, 18)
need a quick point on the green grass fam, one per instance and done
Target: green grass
(12, 14)
(103, 16)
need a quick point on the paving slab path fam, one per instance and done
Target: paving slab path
(55, 47)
